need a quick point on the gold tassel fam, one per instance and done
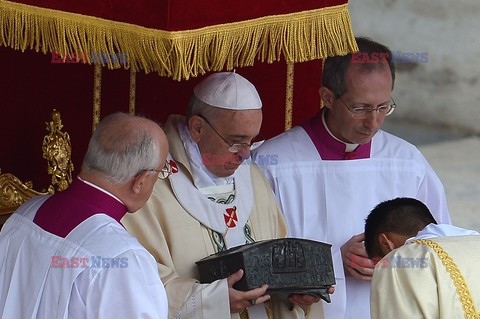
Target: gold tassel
(298, 37)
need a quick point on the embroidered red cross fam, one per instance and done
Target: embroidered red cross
(231, 217)
(174, 167)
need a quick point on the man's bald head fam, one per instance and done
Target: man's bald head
(124, 145)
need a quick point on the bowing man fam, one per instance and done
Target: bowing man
(335, 167)
(423, 269)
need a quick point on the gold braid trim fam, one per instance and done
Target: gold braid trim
(133, 91)
(97, 95)
(457, 277)
(289, 97)
(298, 37)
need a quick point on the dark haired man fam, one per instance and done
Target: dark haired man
(334, 168)
(427, 270)
(392, 222)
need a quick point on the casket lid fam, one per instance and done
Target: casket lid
(287, 265)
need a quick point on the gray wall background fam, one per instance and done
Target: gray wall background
(445, 90)
(438, 101)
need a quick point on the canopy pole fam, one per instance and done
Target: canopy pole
(289, 96)
(97, 94)
(133, 89)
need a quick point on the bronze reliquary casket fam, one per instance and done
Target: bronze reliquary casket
(287, 265)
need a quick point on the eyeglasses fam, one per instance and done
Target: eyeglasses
(164, 172)
(234, 147)
(360, 112)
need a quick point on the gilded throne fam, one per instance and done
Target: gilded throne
(57, 151)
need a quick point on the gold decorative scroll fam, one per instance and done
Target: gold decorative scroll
(13, 192)
(57, 150)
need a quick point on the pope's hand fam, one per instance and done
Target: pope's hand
(239, 300)
(355, 258)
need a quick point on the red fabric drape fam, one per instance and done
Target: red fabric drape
(32, 87)
(175, 15)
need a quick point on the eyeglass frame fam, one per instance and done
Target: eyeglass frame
(234, 147)
(163, 173)
(369, 109)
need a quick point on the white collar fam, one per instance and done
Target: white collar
(101, 189)
(226, 219)
(202, 177)
(348, 146)
(442, 230)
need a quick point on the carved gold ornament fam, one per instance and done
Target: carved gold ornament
(13, 192)
(57, 150)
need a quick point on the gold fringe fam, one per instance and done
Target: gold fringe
(289, 97)
(459, 281)
(298, 37)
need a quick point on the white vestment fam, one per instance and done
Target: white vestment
(97, 271)
(413, 282)
(179, 225)
(328, 200)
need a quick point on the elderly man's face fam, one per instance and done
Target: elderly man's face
(235, 127)
(364, 89)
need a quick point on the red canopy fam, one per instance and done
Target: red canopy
(177, 39)
(182, 38)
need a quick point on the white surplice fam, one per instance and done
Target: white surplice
(124, 284)
(328, 200)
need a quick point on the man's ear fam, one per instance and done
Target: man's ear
(327, 96)
(196, 128)
(138, 182)
(386, 245)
